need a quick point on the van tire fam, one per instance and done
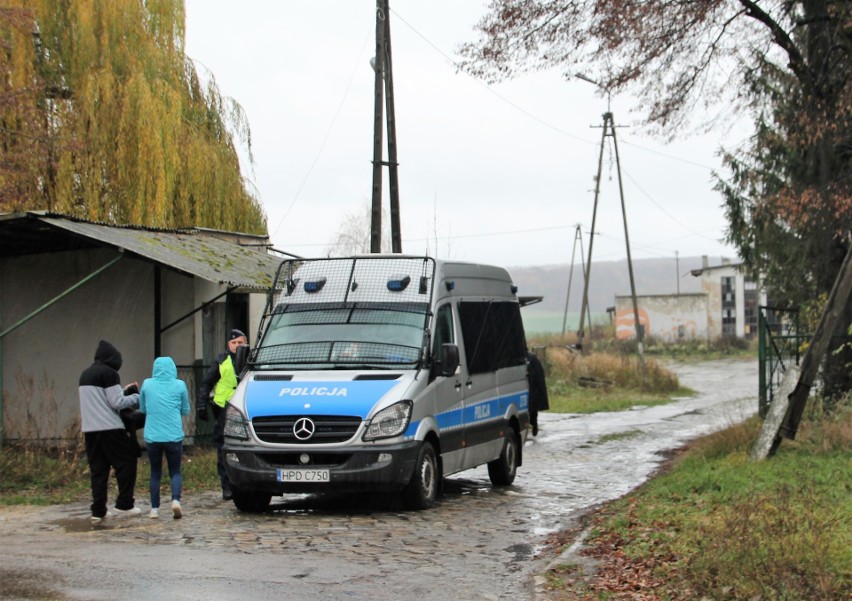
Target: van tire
(251, 501)
(421, 491)
(502, 470)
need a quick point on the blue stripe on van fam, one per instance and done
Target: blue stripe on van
(347, 397)
(478, 413)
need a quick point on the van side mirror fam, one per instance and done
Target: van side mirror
(448, 362)
(241, 358)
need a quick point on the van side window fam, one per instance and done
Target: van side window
(443, 328)
(493, 335)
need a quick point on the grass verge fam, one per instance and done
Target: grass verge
(48, 477)
(606, 382)
(717, 526)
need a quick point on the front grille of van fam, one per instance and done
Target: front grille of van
(328, 429)
(290, 460)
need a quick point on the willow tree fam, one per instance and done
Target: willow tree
(104, 117)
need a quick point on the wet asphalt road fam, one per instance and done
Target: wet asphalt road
(479, 543)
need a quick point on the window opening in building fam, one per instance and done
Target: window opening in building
(729, 307)
(750, 301)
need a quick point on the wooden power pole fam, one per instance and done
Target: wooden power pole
(609, 130)
(384, 97)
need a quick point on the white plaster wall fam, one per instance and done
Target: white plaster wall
(666, 317)
(257, 304)
(711, 283)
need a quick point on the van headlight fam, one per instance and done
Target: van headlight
(236, 425)
(389, 422)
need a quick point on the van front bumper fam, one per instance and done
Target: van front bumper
(377, 468)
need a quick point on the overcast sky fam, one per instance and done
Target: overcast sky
(495, 174)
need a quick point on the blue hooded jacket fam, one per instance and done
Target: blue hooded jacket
(164, 399)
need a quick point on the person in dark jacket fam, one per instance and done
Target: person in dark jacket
(538, 390)
(221, 381)
(108, 444)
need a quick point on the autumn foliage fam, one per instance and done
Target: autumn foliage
(785, 64)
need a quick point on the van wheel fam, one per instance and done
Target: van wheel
(251, 501)
(502, 470)
(422, 491)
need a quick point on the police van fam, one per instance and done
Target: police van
(379, 373)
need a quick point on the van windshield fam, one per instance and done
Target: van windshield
(343, 336)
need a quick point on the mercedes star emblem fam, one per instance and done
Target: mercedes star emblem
(304, 428)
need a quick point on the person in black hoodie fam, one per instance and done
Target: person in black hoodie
(538, 390)
(108, 444)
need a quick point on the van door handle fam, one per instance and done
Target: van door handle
(469, 383)
(457, 385)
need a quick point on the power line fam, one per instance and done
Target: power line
(457, 236)
(459, 68)
(325, 138)
(669, 215)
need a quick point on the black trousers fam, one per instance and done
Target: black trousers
(219, 439)
(111, 449)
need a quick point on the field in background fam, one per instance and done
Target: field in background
(550, 322)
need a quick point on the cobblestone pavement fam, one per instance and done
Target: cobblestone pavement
(479, 543)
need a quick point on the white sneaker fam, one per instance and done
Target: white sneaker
(126, 513)
(176, 510)
(96, 520)
(154, 513)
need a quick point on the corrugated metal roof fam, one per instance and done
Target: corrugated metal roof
(200, 253)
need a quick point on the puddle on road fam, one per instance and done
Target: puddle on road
(78, 525)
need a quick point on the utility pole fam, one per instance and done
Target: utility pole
(608, 129)
(587, 271)
(384, 97)
(578, 235)
(677, 272)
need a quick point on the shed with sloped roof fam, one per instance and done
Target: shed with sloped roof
(66, 284)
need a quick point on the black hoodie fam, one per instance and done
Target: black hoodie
(101, 394)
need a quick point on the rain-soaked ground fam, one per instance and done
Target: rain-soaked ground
(478, 543)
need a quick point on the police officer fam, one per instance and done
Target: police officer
(538, 390)
(221, 380)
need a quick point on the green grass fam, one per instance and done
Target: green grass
(702, 350)
(606, 381)
(42, 477)
(574, 399)
(717, 526)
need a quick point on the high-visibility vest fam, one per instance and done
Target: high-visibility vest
(227, 383)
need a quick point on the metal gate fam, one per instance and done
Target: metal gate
(780, 345)
(200, 432)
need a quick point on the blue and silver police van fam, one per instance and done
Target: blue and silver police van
(380, 373)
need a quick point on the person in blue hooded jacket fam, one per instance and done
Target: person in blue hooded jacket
(164, 399)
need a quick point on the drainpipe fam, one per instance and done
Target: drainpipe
(36, 312)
